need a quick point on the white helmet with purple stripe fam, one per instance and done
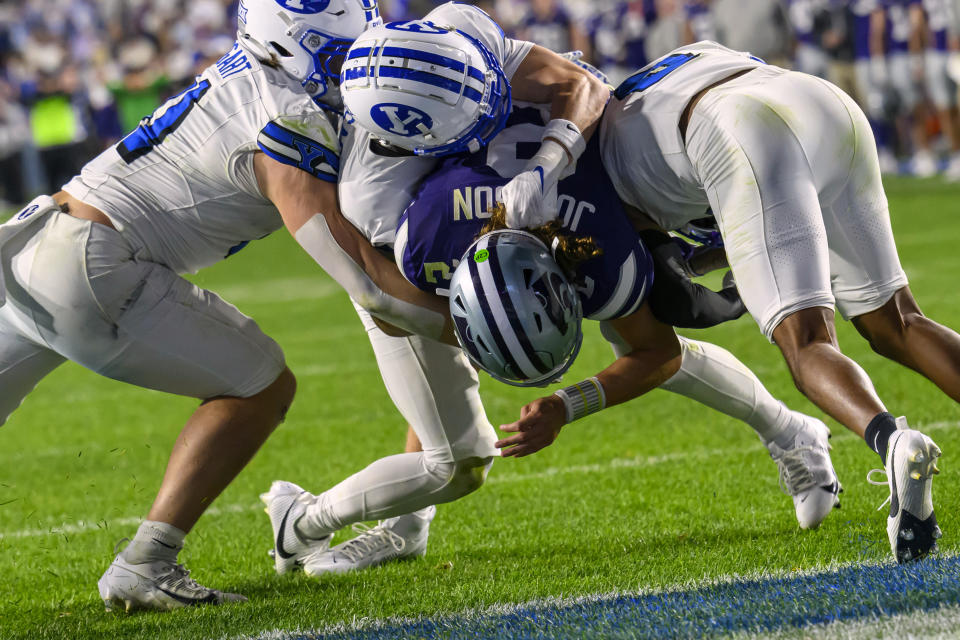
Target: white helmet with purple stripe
(426, 88)
(516, 314)
(306, 37)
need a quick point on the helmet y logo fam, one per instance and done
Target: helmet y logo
(401, 119)
(304, 6)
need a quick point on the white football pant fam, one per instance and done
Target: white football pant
(436, 390)
(75, 291)
(789, 165)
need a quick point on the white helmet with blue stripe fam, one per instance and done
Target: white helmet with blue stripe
(516, 314)
(426, 88)
(305, 37)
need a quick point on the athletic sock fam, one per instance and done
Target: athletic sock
(410, 524)
(878, 432)
(155, 541)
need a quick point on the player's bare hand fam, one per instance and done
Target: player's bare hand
(539, 425)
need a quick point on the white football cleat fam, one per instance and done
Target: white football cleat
(160, 586)
(286, 503)
(910, 467)
(392, 539)
(806, 472)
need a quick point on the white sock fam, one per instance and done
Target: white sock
(154, 541)
(410, 524)
(712, 376)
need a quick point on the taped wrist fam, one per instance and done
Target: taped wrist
(317, 240)
(560, 146)
(583, 398)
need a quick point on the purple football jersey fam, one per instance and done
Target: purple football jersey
(453, 203)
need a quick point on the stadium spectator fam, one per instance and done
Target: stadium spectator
(550, 26)
(14, 134)
(757, 26)
(618, 37)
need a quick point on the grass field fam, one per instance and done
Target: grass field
(652, 519)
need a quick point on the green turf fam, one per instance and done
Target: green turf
(694, 496)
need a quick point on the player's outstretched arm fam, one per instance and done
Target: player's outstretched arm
(654, 358)
(576, 98)
(311, 213)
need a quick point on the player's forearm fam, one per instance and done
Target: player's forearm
(573, 94)
(637, 373)
(370, 279)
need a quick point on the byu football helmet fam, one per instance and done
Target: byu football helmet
(426, 88)
(304, 36)
(516, 315)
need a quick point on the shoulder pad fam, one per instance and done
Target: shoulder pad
(309, 142)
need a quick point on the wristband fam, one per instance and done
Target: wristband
(568, 135)
(583, 398)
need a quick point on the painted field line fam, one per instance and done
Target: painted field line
(760, 604)
(936, 624)
(88, 526)
(84, 526)
(784, 604)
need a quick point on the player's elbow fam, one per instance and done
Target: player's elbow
(366, 294)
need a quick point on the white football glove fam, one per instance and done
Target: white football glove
(528, 201)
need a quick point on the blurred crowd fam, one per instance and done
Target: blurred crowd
(75, 75)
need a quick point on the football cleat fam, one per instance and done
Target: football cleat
(393, 539)
(806, 472)
(287, 503)
(160, 586)
(910, 467)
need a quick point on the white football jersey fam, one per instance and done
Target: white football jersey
(648, 164)
(375, 189)
(181, 187)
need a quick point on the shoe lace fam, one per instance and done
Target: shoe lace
(879, 482)
(795, 475)
(178, 577)
(370, 539)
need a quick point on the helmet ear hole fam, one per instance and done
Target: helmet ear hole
(527, 277)
(280, 49)
(539, 321)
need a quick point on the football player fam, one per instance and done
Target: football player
(614, 283)
(457, 60)
(93, 274)
(377, 180)
(787, 164)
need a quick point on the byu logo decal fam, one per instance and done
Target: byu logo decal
(304, 6)
(417, 26)
(400, 119)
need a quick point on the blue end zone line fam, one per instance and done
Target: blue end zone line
(767, 604)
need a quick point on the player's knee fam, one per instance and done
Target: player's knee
(459, 478)
(280, 393)
(887, 329)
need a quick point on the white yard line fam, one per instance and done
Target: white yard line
(84, 526)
